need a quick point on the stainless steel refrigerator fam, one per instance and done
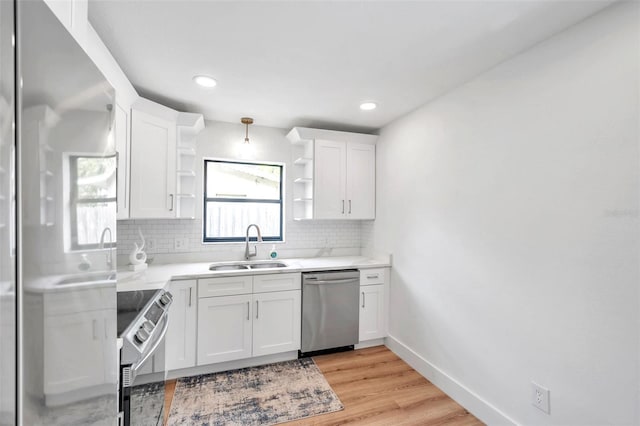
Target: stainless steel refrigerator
(58, 356)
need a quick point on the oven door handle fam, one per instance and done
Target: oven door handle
(153, 348)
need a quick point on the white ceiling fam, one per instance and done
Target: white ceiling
(311, 63)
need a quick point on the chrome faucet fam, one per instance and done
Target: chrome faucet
(248, 255)
(110, 252)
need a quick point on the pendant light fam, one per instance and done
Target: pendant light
(246, 121)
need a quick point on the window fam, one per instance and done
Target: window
(237, 194)
(93, 200)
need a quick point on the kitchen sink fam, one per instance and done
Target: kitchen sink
(243, 266)
(87, 278)
(267, 265)
(229, 267)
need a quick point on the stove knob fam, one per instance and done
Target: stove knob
(148, 326)
(165, 299)
(141, 335)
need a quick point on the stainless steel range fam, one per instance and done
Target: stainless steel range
(142, 324)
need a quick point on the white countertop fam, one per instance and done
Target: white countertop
(157, 276)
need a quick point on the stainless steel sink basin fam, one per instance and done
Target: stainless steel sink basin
(267, 265)
(87, 278)
(229, 267)
(243, 266)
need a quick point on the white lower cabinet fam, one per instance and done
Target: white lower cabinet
(181, 335)
(261, 321)
(224, 328)
(372, 318)
(374, 284)
(79, 341)
(276, 324)
(67, 368)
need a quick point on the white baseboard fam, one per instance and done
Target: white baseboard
(456, 390)
(232, 365)
(369, 343)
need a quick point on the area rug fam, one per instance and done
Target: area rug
(265, 395)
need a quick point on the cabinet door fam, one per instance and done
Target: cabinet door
(372, 321)
(224, 328)
(121, 135)
(329, 180)
(74, 345)
(276, 322)
(153, 166)
(181, 335)
(361, 181)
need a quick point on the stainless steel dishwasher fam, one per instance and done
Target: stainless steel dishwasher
(330, 311)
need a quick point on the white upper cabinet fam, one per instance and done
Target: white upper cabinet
(121, 133)
(162, 170)
(361, 181)
(330, 179)
(333, 174)
(153, 166)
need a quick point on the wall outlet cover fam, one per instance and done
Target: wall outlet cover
(540, 397)
(180, 243)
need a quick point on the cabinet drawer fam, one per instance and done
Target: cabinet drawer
(224, 286)
(372, 276)
(276, 282)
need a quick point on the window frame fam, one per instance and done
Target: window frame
(74, 201)
(280, 201)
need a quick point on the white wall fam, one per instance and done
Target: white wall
(511, 208)
(302, 238)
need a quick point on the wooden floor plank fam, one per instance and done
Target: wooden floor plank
(377, 388)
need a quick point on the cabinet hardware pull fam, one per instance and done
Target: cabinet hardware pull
(190, 288)
(363, 299)
(349, 206)
(372, 276)
(106, 331)
(93, 329)
(257, 309)
(248, 307)
(342, 206)
(171, 209)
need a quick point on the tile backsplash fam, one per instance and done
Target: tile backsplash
(302, 239)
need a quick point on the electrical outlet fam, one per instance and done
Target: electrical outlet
(150, 244)
(180, 243)
(540, 397)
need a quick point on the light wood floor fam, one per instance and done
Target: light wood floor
(378, 388)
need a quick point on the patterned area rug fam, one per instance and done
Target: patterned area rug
(265, 395)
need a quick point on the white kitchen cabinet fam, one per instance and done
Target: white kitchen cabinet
(329, 179)
(372, 312)
(361, 181)
(276, 323)
(153, 166)
(374, 288)
(261, 317)
(121, 134)
(181, 334)
(224, 328)
(79, 341)
(343, 174)
(75, 346)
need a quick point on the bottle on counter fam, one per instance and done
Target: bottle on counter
(273, 253)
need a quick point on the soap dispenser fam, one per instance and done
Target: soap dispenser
(85, 263)
(273, 253)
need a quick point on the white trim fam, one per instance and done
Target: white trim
(232, 365)
(369, 343)
(473, 402)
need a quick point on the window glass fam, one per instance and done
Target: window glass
(239, 194)
(93, 197)
(241, 180)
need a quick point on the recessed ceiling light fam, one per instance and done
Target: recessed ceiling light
(368, 106)
(205, 80)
